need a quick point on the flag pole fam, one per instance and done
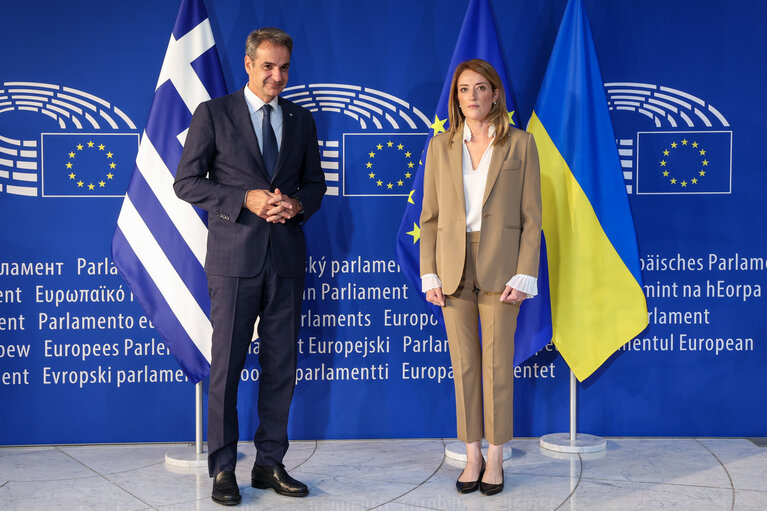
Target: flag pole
(573, 406)
(198, 418)
(572, 442)
(190, 458)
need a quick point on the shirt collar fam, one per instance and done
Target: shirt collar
(467, 132)
(255, 103)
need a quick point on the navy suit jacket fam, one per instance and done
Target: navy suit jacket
(221, 161)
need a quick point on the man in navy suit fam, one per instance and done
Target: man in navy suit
(251, 160)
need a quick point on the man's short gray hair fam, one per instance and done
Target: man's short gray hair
(271, 35)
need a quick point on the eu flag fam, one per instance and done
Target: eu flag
(477, 39)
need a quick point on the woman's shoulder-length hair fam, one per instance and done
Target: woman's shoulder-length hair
(498, 115)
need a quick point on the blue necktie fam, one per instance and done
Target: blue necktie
(269, 141)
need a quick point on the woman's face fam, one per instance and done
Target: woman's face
(475, 95)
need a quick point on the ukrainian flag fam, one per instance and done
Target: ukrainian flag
(597, 302)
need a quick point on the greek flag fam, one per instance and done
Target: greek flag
(160, 241)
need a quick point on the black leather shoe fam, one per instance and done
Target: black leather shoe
(225, 490)
(491, 489)
(277, 478)
(470, 486)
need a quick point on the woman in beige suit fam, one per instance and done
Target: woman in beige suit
(480, 243)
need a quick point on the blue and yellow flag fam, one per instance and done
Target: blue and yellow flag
(477, 39)
(597, 302)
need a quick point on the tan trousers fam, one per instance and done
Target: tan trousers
(483, 371)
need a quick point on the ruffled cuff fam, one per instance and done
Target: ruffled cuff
(523, 283)
(430, 281)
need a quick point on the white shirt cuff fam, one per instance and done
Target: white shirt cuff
(524, 283)
(430, 281)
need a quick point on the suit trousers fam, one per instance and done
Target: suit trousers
(483, 368)
(236, 302)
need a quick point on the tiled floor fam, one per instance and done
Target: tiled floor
(399, 475)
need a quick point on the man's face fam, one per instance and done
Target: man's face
(268, 71)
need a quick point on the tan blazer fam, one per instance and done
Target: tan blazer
(510, 237)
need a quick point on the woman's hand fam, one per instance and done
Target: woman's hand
(435, 296)
(511, 295)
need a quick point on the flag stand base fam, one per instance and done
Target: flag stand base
(456, 451)
(561, 442)
(186, 457)
(573, 442)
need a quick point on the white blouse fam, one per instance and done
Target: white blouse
(474, 181)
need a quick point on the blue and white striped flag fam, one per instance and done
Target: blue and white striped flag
(160, 242)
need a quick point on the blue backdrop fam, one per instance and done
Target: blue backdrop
(79, 362)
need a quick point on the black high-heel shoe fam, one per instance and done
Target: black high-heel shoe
(470, 486)
(489, 488)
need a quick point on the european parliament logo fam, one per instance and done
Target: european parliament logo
(89, 156)
(687, 152)
(370, 141)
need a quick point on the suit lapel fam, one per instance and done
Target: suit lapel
(455, 166)
(240, 115)
(288, 134)
(499, 155)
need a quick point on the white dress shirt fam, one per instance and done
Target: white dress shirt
(474, 183)
(257, 115)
